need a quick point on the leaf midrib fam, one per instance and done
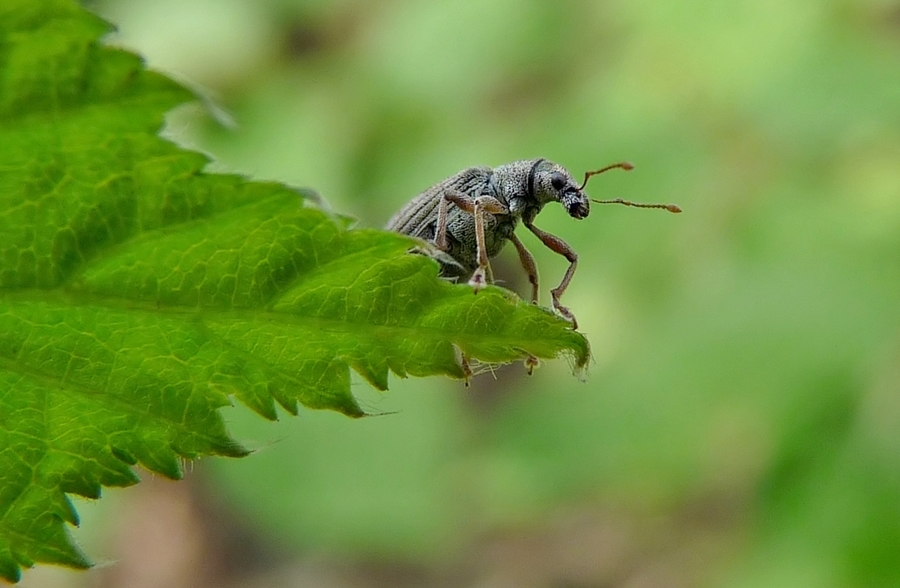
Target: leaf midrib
(200, 313)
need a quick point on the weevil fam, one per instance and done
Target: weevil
(471, 215)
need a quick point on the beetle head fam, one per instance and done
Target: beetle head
(554, 183)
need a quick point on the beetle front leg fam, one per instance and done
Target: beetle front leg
(561, 247)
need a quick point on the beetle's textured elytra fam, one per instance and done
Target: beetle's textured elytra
(471, 215)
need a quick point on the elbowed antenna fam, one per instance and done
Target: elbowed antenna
(670, 207)
(627, 167)
(587, 175)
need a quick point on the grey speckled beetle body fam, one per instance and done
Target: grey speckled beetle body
(471, 215)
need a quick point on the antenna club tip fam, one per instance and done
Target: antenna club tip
(627, 165)
(673, 208)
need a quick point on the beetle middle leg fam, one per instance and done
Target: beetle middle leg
(530, 267)
(561, 247)
(527, 260)
(477, 207)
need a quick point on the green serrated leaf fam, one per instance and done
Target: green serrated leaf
(138, 294)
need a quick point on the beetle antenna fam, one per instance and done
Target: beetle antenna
(623, 165)
(670, 207)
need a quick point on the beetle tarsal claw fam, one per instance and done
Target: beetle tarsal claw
(478, 280)
(566, 314)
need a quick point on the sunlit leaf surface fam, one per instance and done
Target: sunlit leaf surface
(139, 294)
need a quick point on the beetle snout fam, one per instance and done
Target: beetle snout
(578, 209)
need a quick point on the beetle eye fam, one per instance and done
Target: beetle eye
(557, 180)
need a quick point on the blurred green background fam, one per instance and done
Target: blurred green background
(740, 424)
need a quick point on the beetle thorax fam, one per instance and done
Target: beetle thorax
(516, 186)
